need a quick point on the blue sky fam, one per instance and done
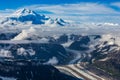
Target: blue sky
(73, 10)
(5, 4)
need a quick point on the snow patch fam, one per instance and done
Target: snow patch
(5, 53)
(25, 34)
(105, 59)
(67, 44)
(22, 51)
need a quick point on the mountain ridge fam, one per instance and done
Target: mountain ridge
(26, 15)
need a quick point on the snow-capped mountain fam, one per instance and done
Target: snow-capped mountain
(24, 16)
(99, 50)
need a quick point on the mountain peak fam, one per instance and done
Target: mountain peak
(26, 15)
(60, 20)
(24, 11)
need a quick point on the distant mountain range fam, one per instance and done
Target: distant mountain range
(24, 16)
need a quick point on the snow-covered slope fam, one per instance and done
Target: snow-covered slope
(24, 16)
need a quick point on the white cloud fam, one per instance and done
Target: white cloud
(52, 61)
(6, 12)
(79, 9)
(117, 4)
(81, 12)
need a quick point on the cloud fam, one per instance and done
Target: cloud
(117, 4)
(79, 9)
(52, 61)
(80, 12)
(6, 12)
